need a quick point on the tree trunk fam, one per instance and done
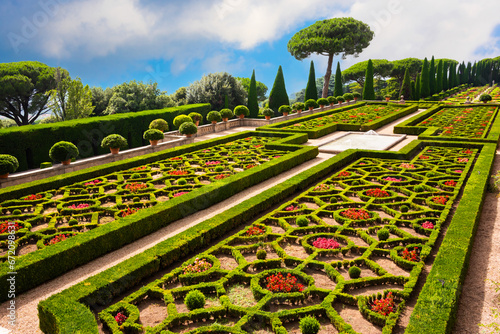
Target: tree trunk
(327, 76)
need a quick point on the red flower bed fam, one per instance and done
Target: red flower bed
(428, 225)
(120, 318)
(33, 197)
(377, 192)
(384, 306)
(322, 187)
(211, 163)
(7, 226)
(79, 206)
(292, 208)
(440, 200)
(221, 176)
(343, 174)
(199, 265)
(92, 183)
(180, 193)
(58, 238)
(135, 186)
(178, 172)
(450, 183)
(254, 230)
(410, 255)
(127, 212)
(326, 243)
(355, 214)
(280, 283)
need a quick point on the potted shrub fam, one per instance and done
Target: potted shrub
(268, 112)
(226, 114)
(241, 111)
(348, 97)
(214, 116)
(322, 102)
(332, 100)
(8, 164)
(356, 96)
(115, 142)
(340, 99)
(178, 120)
(197, 118)
(188, 129)
(159, 124)
(284, 109)
(310, 104)
(153, 135)
(387, 98)
(485, 98)
(299, 106)
(63, 152)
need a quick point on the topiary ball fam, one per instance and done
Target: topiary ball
(268, 112)
(219, 169)
(179, 120)
(196, 117)
(241, 110)
(333, 200)
(418, 188)
(135, 176)
(181, 181)
(214, 116)
(354, 272)
(383, 234)
(348, 97)
(261, 254)
(16, 212)
(283, 109)
(194, 299)
(62, 151)
(159, 124)
(136, 199)
(309, 325)
(115, 141)
(331, 99)
(8, 164)
(311, 103)
(188, 128)
(322, 101)
(73, 222)
(153, 134)
(404, 208)
(226, 113)
(302, 221)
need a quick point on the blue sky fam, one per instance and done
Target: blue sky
(107, 42)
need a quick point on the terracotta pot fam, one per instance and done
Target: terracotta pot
(66, 162)
(340, 103)
(224, 119)
(114, 150)
(214, 122)
(299, 111)
(189, 135)
(348, 101)
(332, 104)
(241, 116)
(197, 123)
(285, 114)
(267, 117)
(153, 142)
(355, 99)
(311, 108)
(387, 99)
(4, 176)
(321, 106)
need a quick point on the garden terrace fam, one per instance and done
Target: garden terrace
(470, 93)
(357, 117)
(66, 221)
(348, 199)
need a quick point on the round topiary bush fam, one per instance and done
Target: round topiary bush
(348, 97)
(178, 120)
(159, 124)
(418, 188)
(241, 110)
(214, 116)
(331, 99)
(298, 106)
(16, 212)
(8, 164)
(136, 199)
(261, 254)
(196, 117)
(219, 169)
(153, 134)
(62, 151)
(309, 325)
(340, 98)
(333, 200)
(485, 98)
(354, 272)
(73, 222)
(268, 112)
(310, 104)
(356, 96)
(135, 176)
(194, 299)
(226, 113)
(114, 141)
(188, 128)
(182, 181)
(322, 102)
(405, 208)
(302, 221)
(284, 109)
(383, 234)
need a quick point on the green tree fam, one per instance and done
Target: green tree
(100, 99)
(424, 80)
(311, 92)
(23, 90)
(399, 68)
(418, 85)
(432, 77)
(345, 36)
(253, 103)
(278, 95)
(445, 75)
(338, 90)
(261, 88)
(180, 96)
(406, 87)
(214, 87)
(368, 91)
(381, 68)
(439, 77)
(453, 75)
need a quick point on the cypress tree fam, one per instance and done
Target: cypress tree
(439, 77)
(432, 77)
(416, 96)
(368, 91)
(445, 75)
(338, 91)
(456, 80)
(226, 102)
(412, 95)
(468, 72)
(473, 74)
(453, 74)
(253, 102)
(311, 90)
(424, 80)
(406, 86)
(278, 95)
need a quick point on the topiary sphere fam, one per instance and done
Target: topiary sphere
(383, 234)
(340, 98)
(16, 212)
(241, 110)
(298, 106)
(331, 100)
(322, 101)
(348, 97)
(354, 272)
(8, 164)
(405, 208)
(418, 188)
(226, 113)
(356, 95)
(188, 128)
(261, 254)
(181, 181)
(73, 222)
(333, 200)
(181, 119)
(219, 169)
(116, 141)
(62, 151)
(485, 98)
(196, 117)
(309, 325)
(214, 116)
(268, 112)
(135, 176)
(136, 199)
(153, 134)
(310, 103)
(194, 299)
(302, 221)
(159, 124)
(284, 108)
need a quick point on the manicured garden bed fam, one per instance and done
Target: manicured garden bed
(345, 202)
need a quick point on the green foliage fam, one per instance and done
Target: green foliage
(278, 95)
(188, 128)
(226, 113)
(354, 272)
(72, 222)
(404, 208)
(311, 91)
(153, 134)
(159, 124)
(8, 164)
(182, 181)
(406, 87)
(340, 98)
(241, 110)
(432, 77)
(114, 141)
(180, 96)
(356, 95)
(322, 102)
(194, 299)
(413, 65)
(181, 119)
(368, 91)
(332, 100)
(196, 117)
(439, 77)
(485, 98)
(16, 212)
(383, 234)
(214, 116)
(424, 81)
(45, 165)
(261, 89)
(285, 108)
(348, 97)
(214, 88)
(62, 151)
(298, 106)
(100, 99)
(268, 112)
(302, 221)
(309, 325)
(338, 90)
(357, 72)
(261, 254)
(310, 104)
(418, 86)
(253, 101)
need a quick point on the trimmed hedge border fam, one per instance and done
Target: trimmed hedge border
(69, 310)
(31, 144)
(35, 268)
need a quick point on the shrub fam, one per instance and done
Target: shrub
(62, 151)
(333, 200)
(340, 99)
(188, 128)
(284, 108)
(45, 165)
(354, 272)
(226, 113)
(153, 134)
(115, 141)
(356, 95)
(418, 188)
(310, 103)
(16, 212)
(73, 222)
(241, 110)
(159, 124)
(322, 101)
(219, 169)
(261, 254)
(268, 112)
(298, 106)
(8, 164)
(383, 234)
(136, 199)
(309, 325)
(214, 115)
(135, 176)
(485, 98)
(196, 117)
(182, 181)
(331, 99)
(348, 97)
(194, 299)
(302, 221)
(181, 119)
(405, 208)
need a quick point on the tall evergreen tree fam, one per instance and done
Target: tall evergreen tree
(278, 95)
(439, 77)
(368, 91)
(338, 91)
(253, 102)
(412, 95)
(432, 77)
(424, 89)
(406, 86)
(416, 96)
(468, 72)
(472, 79)
(445, 75)
(453, 74)
(311, 90)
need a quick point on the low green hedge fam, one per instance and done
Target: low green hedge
(50, 262)
(31, 144)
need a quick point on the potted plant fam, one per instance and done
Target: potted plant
(348, 97)
(268, 112)
(387, 98)
(226, 114)
(322, 102)
(159, 124)
(8, 164)
(310, 104)
(356, 96)
(63, 152)
(284, 109)
(153, 135)
(332, 100)
(214, 116)
(178, 120)
(188, 129)
(241, 111)
(197, 118)
(299, 106)
(340, 99)
(115, 142)
(485, 98)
